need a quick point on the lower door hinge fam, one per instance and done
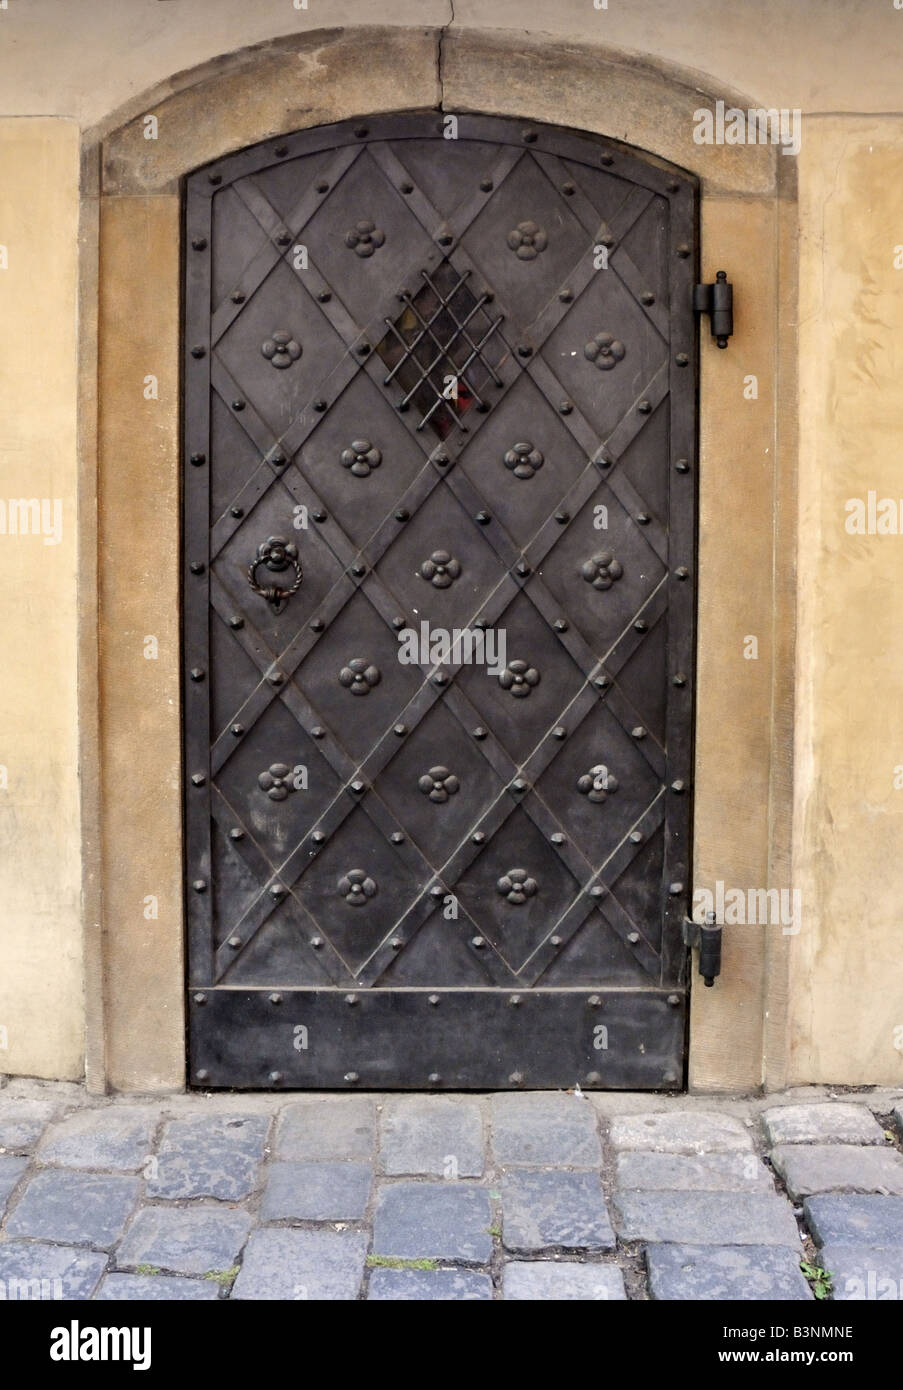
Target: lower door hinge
(718, 302)
(706, 939)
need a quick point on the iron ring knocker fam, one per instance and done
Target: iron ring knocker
(277, 554)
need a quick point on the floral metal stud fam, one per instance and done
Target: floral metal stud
(527, 240)
(524, 460)
(361, 457)
(359, 676)
(519, 678)
(517, 886)
(364, 238)
(598, 783)
(281, 349)
(441, 569)
(602, 570)
(439, 784)
(604, 351)
(275, 781)
(356, 887)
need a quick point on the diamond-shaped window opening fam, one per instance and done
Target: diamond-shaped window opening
(444, 349)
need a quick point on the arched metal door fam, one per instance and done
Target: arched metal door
(439, 380)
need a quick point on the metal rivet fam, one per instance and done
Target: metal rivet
(407, 188)
(317, 625)
(566, 296)
(514, 1000)
(478, 942)
(645, 407)
(440, 678)
(275, 998)
(559, 731)
(351, 1077)
(362, 349)
(606, 159)
(196, 673)
(566, 407)
(601, 682)
(568, 190)
(638, 732)
(400, 730)
(199, 243)
(396, 837)
(478, 837)
(324, 296)
(279, 459)
(236, 834)
(238, 405)
(641, 625)
(683, 252)
(679, 679)
(276, 678)
(237, 730)
(437, 891)
(554, 940)
(237, 297)
(560, 625)
(200, 999)
(199, 779)
(434, 999)
(434, 1078)
(402, 514)
(633, 937)
(283, 238)
(396, 943)
(357, 787)
(320, 516)
(442, 460)
(597, 891)
(360, 131)
(351, 999)
(318, 731)
(636, 837)
(643, 518)
(399, 622)
(318, 837)
(558, 838)
(682, 466)
(445, 239)
(681, 572)
(319, 406)
(675, 889)
(522, 569)
(673, 186)
(481, 623)
(236, 622)
(483, 518)
(594, 1001)
(516, 1078)
(280, 151)
(479, 732)
(197, 567)
(235, 942)
(674, 1000)
(323, 187)
(200, 885)
(519, 785)
(316, 942)
(215, 178)
(524, 350)
(275, 1077)
(529, 137)
(359, 570)
(237, 512)
(607, 240)
(278, 891)
(202, 1075)
(592, 1078)
(647, 298)
(198, 351)
(677, 786)
(682, 359)
(562, 518)
(198, 459)
(486, 185)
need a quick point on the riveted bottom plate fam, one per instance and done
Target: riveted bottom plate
(446, 1041)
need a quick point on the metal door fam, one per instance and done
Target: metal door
(439, 378)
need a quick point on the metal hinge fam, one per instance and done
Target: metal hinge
(706, 939)
(718, 302)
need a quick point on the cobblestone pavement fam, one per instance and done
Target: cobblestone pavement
(534, 1195)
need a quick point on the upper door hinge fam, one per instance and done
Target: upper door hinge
(718, 302)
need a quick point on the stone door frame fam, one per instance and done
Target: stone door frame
(129, 687)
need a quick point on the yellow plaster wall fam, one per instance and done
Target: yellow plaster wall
(41, 988)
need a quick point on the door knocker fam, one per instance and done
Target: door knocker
(277, 554)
